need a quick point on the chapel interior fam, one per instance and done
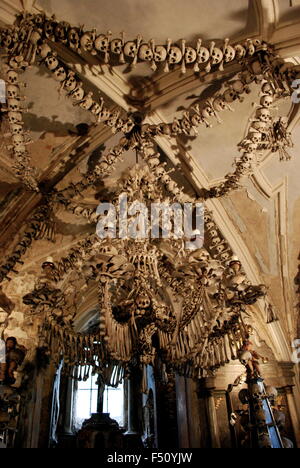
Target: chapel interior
(121, 329)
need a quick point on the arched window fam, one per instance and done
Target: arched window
(90, 398)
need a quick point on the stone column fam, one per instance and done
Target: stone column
(293, 412)
(207, 392)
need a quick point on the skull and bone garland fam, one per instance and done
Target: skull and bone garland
(155, 298)
(34, 33)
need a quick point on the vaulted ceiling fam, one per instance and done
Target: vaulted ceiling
(260, 221)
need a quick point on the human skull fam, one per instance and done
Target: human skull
(13, 105)
(213, 233)
(60, 74)
(49, 29)
(74, 38)
(225, 256)
(18, 139)
(130, 49)
(96, 108)
(240, 52)
(266, 101)
(60, 32)
(153, 162)
(159, 172)
(87, 101)
(255, 137)
(102, 43)
(145, 53)
(215, 241)
(70, 83)
(16, 129)
(160, 54)
(7, 41)
(15, 117)
(128, 126)
(190, 55)
(87, 41)
(203, 55)
(220, 248)
(209, 225)
(207, 112)
(217, 56)
(174, 55)
(252, 147)
(267, 89)
(264, 442)
(238, 86)
(103, 115)
(230, 95)
(12, 77)
(51, 62)
(196, 120)
(116, 46)
(143, 301)
(44, 50)
(13, 91)
(229, 54)
(219, 104)
(264, 114)
(78, 94)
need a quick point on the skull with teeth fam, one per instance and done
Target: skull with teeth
(240, 51)
(49, 29)
(264, 114)
(87, 41)
(13, 92)
(74, 38)
(14, 117)
(229, 53)
(60, 32)
(267, 89)
(60, 74)
(12, 77)
(78, 93)
(70, 83)
(52, 62)
(145, 53)
(266, 101)
(203, 55)
(160, 54)
(217, 56)
(116, 46)
(190, 55)
(174, 55)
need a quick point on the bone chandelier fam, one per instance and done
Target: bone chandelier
(156, 299)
